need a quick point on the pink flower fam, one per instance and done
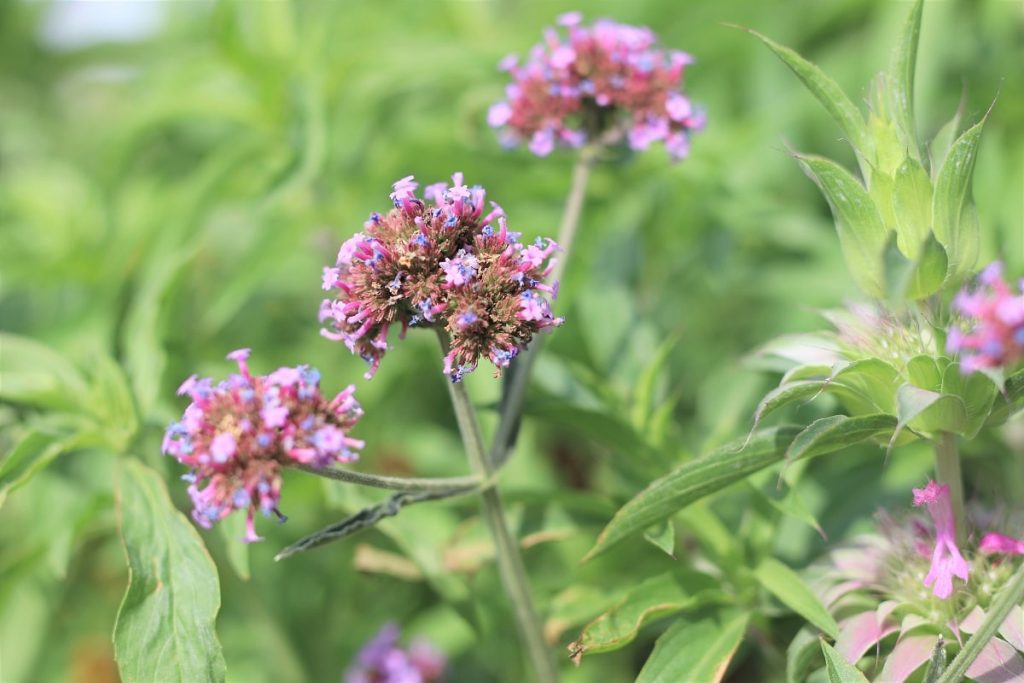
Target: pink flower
(587, 81)
(995, 321)
(441, 261)
(236, 436)
(1001, 544)
(947, 561)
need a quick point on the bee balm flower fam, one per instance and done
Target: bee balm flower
(947, 561)
(995, 315)
(440, 262)
(594, 80)
(238, 434)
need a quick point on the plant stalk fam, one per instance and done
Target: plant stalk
(378, 481)
(947, 471)
(510, 562)
(519, 374)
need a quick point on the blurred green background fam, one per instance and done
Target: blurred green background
(173, 176)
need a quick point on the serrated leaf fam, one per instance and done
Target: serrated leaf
(838, 669)
(831, 96)
(862, 234)
(786, 585)
(832, 433)
(900, 79)
(655, 597)
(695, 649)
(950, 203)
(912, 206)
(165, 626)
(662, 536)
(692, 481)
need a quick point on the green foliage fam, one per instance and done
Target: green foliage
(790, 589)
(698, 648)
(164, 628)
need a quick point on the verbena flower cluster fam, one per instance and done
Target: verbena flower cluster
(236, 436)
(995, 318)
(913, 582)
(440, 262)
(597, 79)
(382, 660)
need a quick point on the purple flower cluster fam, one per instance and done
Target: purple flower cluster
(604, 77)
(236, 436)
(440, 262)
(382, 661)
(995, 315)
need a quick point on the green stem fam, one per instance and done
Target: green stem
(947, 471)
(510, 563)
(394, 483)
(1012, 594)
(519, 374)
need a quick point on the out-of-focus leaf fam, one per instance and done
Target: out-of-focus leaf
(656, 597)
(35, 374)
(801, 653)
(928, 411)
(232, 530)
(786, 394)
(113, 403)
(950, 204)
(838, 669)
(644, 392)
(37, 450)
(165, 627)
(695, 649)
(900, 79)
(831, 96)
(862, 234)
(694, 480)
(928, 273)
(786, 585)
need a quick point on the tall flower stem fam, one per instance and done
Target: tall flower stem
(947, 471)
(510, 562)
(519, 374)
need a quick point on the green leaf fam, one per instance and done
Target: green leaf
(788, 393)
(112, 402)
(862, 234)
(900, 78)
(950, 203)
(786, 585)
(655, 597)
(979, 394)
(165, 627)
(874, 379)
(692, 481)
(839, 670)
(929, 272)
(928, 411)
(695, 649)
(943, 140)
(35, 452)
(831, 96)
(800, 654)
(924, 373)
(35, 374)
(832, 433)
(663, 536)
(644, 392)
(912, 207)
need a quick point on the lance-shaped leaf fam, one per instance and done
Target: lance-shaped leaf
(786, 585)
(165, 627)
(800, 654)
(900, 79)
(953, 222)
(656, 597)
(862, 234)
(692, 481)
(831, 96)
(698, 649)
(838, 669)
(801, 390)
(831, 433)
(912, 206)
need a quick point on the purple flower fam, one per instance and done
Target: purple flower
(238, 434)
(383, 660)
(994, 317)
(440, 261)
(947, 561)
(993, 542)
(593, 82)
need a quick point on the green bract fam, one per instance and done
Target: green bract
(918, 194)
